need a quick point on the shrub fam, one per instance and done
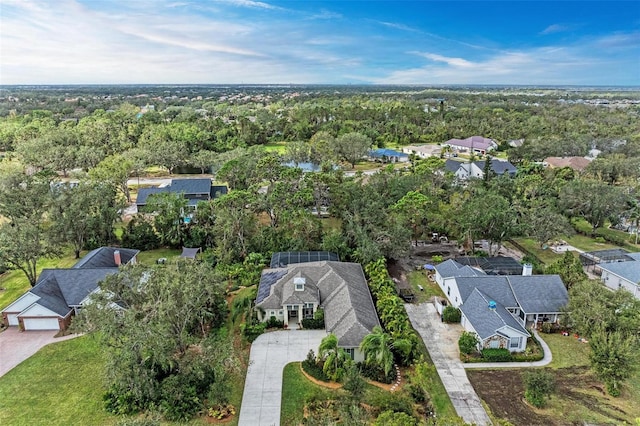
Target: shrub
(538, 385)
(138, 421)
(180, 399)
(398, 402)
(376, 373)
(497, 355)
(391, 418)
(313, 367)
(547, 328)
(252, 331)
(273, 322)
(468, 342)
(451, 314)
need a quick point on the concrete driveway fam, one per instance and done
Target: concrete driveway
(270, 352)
(442, 343)
(16, 345)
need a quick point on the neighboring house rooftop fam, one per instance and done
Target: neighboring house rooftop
(499, 167)
(475, 142)
(105, 257)
(576, 163)
(284, 258)
(189, 187)
(488, 321)
(630, 270)
(451, 268)
(498, 265)
(388, 153)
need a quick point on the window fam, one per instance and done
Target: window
(448, 291)
(515, 342)
(308, 305)
(494, 344)
(351, 352)
(272, 313)
(299, 287)
(280, 312)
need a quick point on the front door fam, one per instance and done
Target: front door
(293, 313)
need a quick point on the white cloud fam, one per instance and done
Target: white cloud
(398, 26)
(554, 28)
(455, 62)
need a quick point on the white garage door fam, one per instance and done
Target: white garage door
(41, 324)
(13, 319)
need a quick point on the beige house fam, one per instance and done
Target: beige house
(297, 291)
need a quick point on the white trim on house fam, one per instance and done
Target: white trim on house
(37, 310)
(615, 281)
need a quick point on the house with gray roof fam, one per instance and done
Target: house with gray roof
(194, 190)
(476, 144)
(60, 293)
(298, 290)
(449, 270)
(484, 300)
(466, 170)
(494, 325)
(623, 275)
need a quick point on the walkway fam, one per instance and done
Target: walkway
(16, 345)
(442, 343)
(544, 361)
(270, 352)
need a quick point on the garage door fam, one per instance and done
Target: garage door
(41, 324)
(13, 319)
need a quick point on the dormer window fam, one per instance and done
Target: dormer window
(298, 282)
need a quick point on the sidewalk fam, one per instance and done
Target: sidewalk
(544, 361)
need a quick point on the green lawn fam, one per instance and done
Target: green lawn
(547, 256)
(586, 243)
(431, 288)
(278, 147)
(149, 257)
(60, 385)
(567, 351)
(15, 283)
(296, 389)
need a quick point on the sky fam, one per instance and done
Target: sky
(320, 42)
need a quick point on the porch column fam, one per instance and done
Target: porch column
(286, 315)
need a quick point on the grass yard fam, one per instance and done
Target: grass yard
(296, 389)
(149, 257)
(60, 385)
(586, 243)
(430, 287)
(278, 147)
(14, 283)
(547, 256)
(567, 351)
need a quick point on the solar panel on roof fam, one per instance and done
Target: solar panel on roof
(266, 281)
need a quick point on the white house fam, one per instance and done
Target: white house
(499, 308)
(623, 275)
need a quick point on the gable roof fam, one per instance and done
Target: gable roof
(103, 257)
(343, 293)
(144, 193)
(499, 167)
(576, 163)
(59, 289)
(454, 165)
(494, 286)
(385, 152)
(486, 321)
(477, 142)
(451, 268)
(629, 270)
(539, 293)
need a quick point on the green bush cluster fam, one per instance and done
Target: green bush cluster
(451, 315)
(252, 331)
(538, 386)
(390, 308)
(313, 367)
(496, 355)
(315, 323)
(273, 322)
(468, 342)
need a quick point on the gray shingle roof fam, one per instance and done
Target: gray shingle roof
(630, 270)
(344, 295)
(191, 186)
(495, 286)
(539, 293)
(59, 289)
(103, 257)
(488, 321)
(451, 268)
(453, 165)
(144, 193)
(499, 167)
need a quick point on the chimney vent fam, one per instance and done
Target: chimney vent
(527, 269)
(116, 258)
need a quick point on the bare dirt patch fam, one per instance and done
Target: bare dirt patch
(503, 392)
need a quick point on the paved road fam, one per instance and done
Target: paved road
(442, 343)
(270, 352)
(16, 345)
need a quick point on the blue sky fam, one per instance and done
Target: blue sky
(328, 42)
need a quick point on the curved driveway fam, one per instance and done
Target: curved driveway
(270, 352)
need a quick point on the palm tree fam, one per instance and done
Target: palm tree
(335, 359)
(377, 348)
